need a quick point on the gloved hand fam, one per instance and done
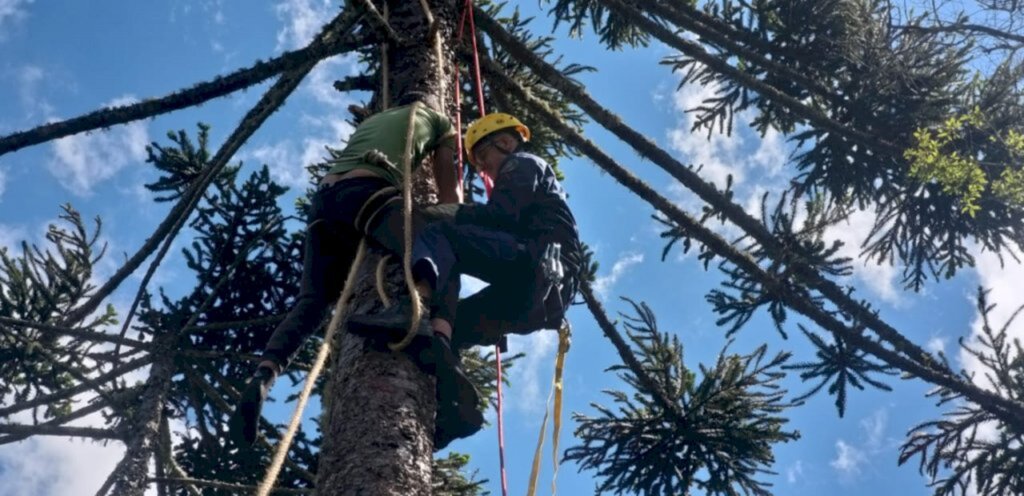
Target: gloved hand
(440, 212)
(244, 423)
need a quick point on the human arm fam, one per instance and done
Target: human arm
(449, 188)
(513, 190)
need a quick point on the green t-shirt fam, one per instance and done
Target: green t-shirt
(386, 133)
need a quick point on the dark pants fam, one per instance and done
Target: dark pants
(511, 303)
(332, 239)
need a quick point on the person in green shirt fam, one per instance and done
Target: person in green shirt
(361, 197)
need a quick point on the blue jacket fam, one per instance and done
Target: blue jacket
(528, 202)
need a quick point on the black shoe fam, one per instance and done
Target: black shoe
(245, 421)
(458, 401)
(390, 324)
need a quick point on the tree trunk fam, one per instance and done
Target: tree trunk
(130, 477)
(378, 420)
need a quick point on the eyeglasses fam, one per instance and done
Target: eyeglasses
(479, 151)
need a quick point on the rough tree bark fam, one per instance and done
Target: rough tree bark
(378, 419)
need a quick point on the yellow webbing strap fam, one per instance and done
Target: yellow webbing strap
(564, 335)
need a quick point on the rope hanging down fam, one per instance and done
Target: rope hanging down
(321, 359)
(467, 11)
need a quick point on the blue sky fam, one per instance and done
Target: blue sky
(59, 59)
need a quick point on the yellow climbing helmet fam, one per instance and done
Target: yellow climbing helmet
(490, 123)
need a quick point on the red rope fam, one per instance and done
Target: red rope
(488, 186)
(468, 9)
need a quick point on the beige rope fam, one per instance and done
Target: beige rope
(417, 309)
(381, 265)
(321, 359)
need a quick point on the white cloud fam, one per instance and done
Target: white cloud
(526, 394)
(1003, 280)
(880, 279)
(285, 167)
(936, 345)
(287, 160)
(755, 162)
(718, 155)
(320, 82)
(874, 428)
(29, 78)
(795, 472)
(771, 153)
(848, 460)
(11, 237)
(57, 466)
(11, 11)
(724, 154)
(82, 161)
(851, 459)
(302, 21)
(604, 284)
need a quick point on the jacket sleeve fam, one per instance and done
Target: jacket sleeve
(513, 191)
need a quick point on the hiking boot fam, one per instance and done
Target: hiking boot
(458, 412)
(244, 422)
(390, 324)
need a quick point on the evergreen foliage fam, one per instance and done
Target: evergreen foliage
(716, 436)
(969, 450)
(915, 116)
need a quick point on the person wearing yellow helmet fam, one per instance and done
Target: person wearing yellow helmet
(523, 242)
(493, 137)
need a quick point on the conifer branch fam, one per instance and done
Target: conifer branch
(692, 19)
(79, 333)
(94, 407)
(378, 23)
(60, 430)
(169, 228)
(698, 53)
(626, 353)
(1010, 411)
(967, 28)
(706, 191)
(197, 94)
(71, 392)
(225, 408)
